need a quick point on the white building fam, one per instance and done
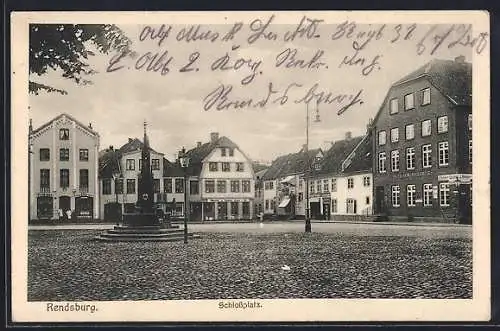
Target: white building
(63, 170)
(222, 181)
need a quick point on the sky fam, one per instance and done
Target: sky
(117, 103)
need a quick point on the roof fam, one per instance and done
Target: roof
(172, 169)
(452, 78)
(336, 155)
(86, 127)
(290, 164)
(260, 174)
(361, 158)
(134, 145)
(198, 154)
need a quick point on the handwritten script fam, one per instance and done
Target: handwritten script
(303, 49)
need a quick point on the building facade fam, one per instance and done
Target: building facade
(64, 170)
(423, 145)
(119, 171)
(221, 181)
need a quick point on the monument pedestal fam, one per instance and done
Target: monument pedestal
(144, 233)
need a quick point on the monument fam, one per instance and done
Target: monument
(144, 223)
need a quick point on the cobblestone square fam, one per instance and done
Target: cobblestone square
(336, 261)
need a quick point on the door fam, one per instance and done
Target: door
(326, 210)
(65, 205)
(315, 210)
(379, 200)
(84, 206)
(45, 208)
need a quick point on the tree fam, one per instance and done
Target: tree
(67, 47)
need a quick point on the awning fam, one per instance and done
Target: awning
(284, 203)
(288, 180)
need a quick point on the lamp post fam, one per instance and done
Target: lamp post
(308, 168)
(184, 160)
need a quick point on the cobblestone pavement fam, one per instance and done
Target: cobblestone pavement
(346, 262)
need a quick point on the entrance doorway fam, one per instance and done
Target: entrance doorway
(65, 205)
(45, 207)
(84, 206)
(315, 210)
(379, 200)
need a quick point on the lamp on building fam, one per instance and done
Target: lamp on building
(184, 161)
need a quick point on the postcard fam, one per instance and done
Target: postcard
(250, 166)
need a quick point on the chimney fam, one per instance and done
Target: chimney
(304, 147)
(369, 126)
(111, 147)
(460, 59)
(214, 136)
(348, 135)
(130, 140)
(198, 144)
(90, 125)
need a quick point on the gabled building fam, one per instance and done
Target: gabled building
(343, 183)
(221, 181)
(284, 185)
(63, 163)
(118, 176)
(423, 145)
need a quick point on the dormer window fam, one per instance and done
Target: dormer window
(212, 166)
(231, 151)
(426, 96)
(223, 151)
(63, 134)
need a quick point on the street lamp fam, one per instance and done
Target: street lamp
(184, 160)
(308, 166)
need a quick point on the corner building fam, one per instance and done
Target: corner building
(423, 145)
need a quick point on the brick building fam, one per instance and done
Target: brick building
(423, 145)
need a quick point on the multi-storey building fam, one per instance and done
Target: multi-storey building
(423, 145)
(118, 175)
(63, 170)
(221, 181)
(343, 183)
(284, 184)
(259, 192)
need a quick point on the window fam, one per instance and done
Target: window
(179, 185)
(106, 186)
(209, 186)
(381, 162)
(395, 160)
(410, 131)
(382, 136)
(245, 208)
(130, 164)
(469, 121)
(231, 151)
(444, 194)
(245, 185)
(167, 185)
(427, 188)
(221, 186)
(410, 195)
(409, 101)
(318, 186)
(395, 135)
(426, 156)
(395, 195)
(334, 184)
(444, 153)
(212, 166)
(118, 186)
(84, 179)
(351, 206)
(426, 128)
(240, 166)
(334, 206)
(366, 181)
(235, 186)
(156, 185)
(226, 166)
(426, 96)
(84, 154)
(140, 164)
(64, 154)
(63, 134)
(234, 207)
(267, 204)
(367, 200)
(410, 158)
(64, 178)
(442, 124)
(268, 185)
(273, 204)
(44, 180)
(350, 182)
(394, 106)
(326, 188)
(223, 151)
(470, 150)
(155, 164)
(44, 154)
(301, 184)
(194, 187)
(130, 186)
